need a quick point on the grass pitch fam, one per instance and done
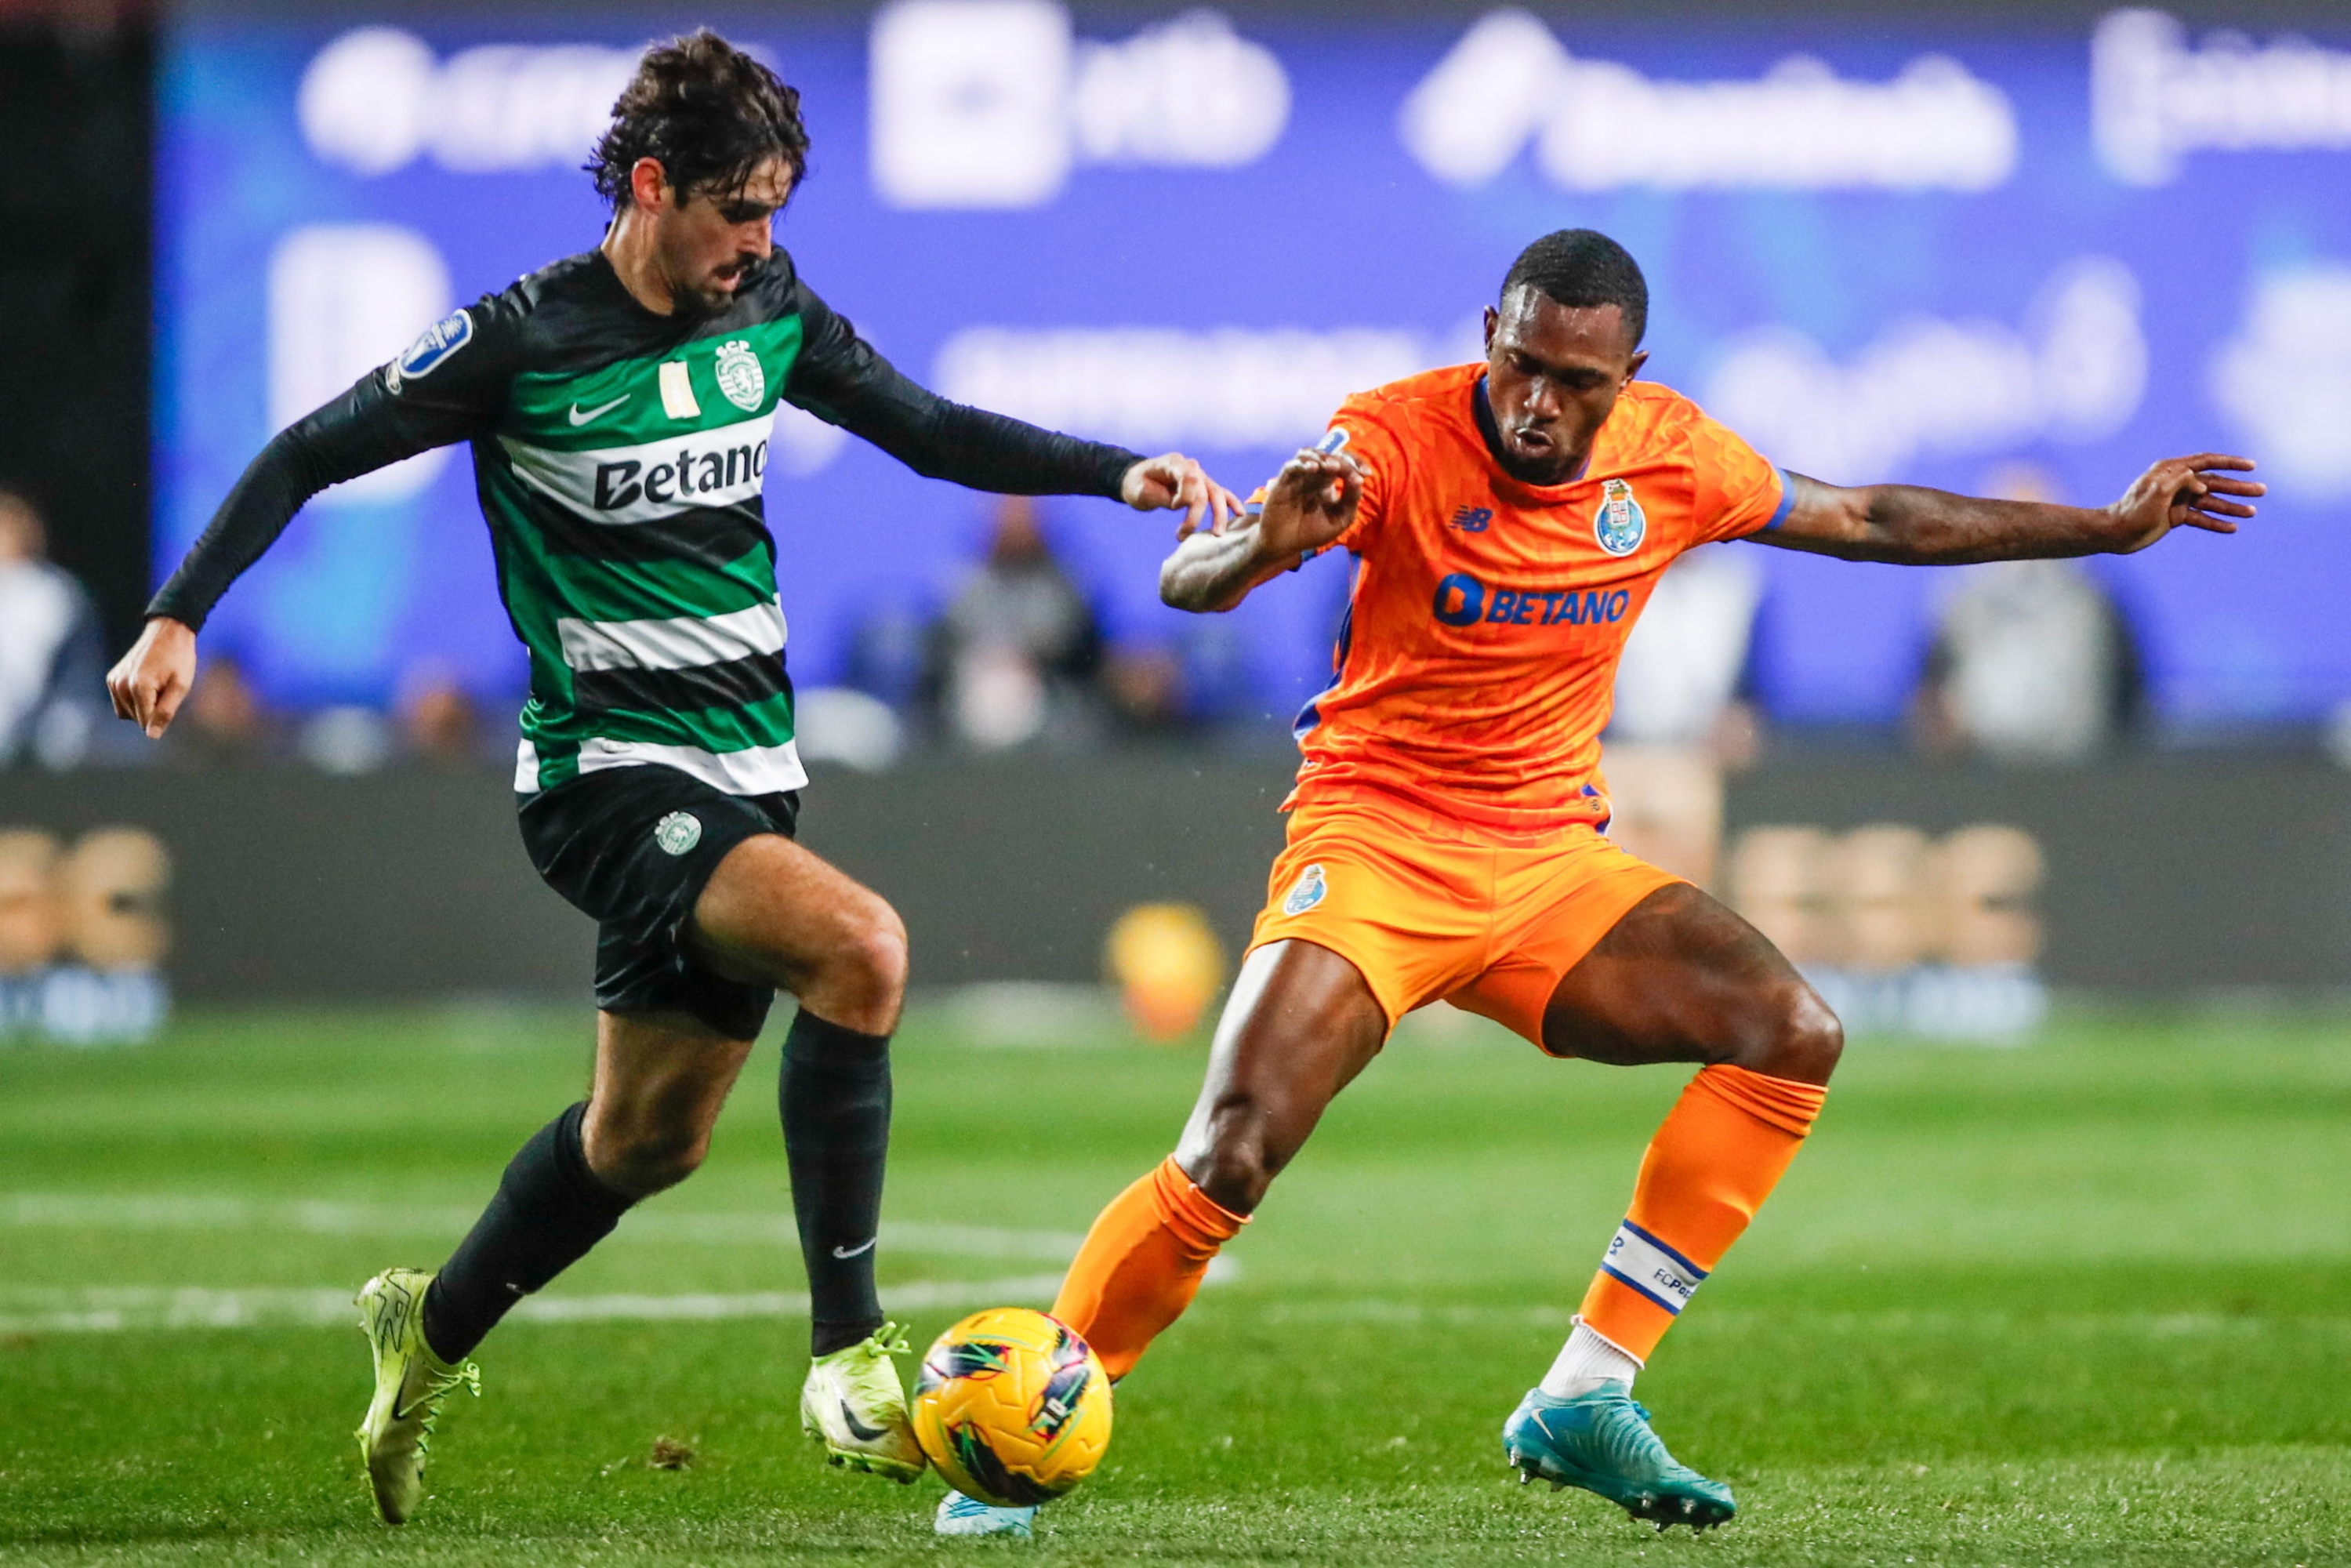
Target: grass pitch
(2084, 1302)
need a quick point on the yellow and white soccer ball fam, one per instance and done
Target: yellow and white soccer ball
(1012, 1406)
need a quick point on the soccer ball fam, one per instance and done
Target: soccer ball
(1012, 1406)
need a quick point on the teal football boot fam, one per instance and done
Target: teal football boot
(961, 1515)
(1601, 1441)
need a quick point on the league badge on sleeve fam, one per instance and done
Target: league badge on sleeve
(429, 353)
(1619, 525)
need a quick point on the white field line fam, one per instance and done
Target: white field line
(173, 1211)
(115, 1310)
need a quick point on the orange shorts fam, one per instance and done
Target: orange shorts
(1430, 909)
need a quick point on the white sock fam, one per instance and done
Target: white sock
(1585, 1362)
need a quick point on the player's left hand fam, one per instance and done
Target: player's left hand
(1172, 481)
(2197, 492)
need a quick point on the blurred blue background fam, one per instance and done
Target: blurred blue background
(1978, 256)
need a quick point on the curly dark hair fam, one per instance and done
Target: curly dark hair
(1581, 268)
(708, 112)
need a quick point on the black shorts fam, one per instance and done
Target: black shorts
(632, 848)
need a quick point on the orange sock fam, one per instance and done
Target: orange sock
(1719, 1154)
(1141, 1264)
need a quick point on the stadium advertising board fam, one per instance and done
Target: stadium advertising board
(1944, 253)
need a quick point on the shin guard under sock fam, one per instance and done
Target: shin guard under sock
(548, 1210)
(1715, 1159)
(1141, 1264)
(835, 1099)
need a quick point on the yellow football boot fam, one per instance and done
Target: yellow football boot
(410, 1382)
(855, 1406)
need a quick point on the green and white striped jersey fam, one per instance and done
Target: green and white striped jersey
(620, 457)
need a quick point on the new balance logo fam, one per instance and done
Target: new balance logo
(1472, 519)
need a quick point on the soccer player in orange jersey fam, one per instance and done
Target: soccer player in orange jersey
(1447, 837)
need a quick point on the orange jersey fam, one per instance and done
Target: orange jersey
(1478, 662)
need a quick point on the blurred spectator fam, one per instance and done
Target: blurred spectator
(222, 719)
(1018, 644)
(52, 653)
(346, 740)
(1679, 718)
(889, 650)
(1145, 686)
(845, 725)
(438, 720)
(2031, 661)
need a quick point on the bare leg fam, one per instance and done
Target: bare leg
(1300, 1025)
(776, 914)
(661, 1079)
(1683, 978)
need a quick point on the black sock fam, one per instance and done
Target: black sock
(548, 1210)
(835, 1097)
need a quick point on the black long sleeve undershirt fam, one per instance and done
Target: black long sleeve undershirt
(838, 377)
(362, 430)
(970, 447)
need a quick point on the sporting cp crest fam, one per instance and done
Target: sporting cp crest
(678, 832)
(1619, 525)
(740, 377)
(1306, 893)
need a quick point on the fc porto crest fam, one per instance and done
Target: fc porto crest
(1619, 525)
(431, 351)
(1306, 892)
(740, 377)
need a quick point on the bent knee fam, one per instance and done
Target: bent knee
(874, 952)
(1240, 1159)
(640, 1161)
(1796, 1037)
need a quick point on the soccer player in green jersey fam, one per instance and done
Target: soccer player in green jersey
(620, 406)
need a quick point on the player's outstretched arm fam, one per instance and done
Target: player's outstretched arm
(390, 414)
(1911, 526)
(1310, 503)
(842, 380)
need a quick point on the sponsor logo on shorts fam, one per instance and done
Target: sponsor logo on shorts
(1619, 525)
(1306, 892)
(678, 832)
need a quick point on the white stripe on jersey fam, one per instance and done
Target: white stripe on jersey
(654, 479)
(676, 644)
(754, 770)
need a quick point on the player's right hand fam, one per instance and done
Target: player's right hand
(153, 679)
(1310, 503)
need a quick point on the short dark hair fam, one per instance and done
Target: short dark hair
(1582, 268)
(708, 112)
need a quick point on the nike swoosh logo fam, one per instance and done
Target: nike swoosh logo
(864, 1246)
(858, 1429)
(599, 412)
